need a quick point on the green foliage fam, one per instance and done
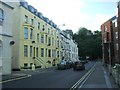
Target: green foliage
(89, 43)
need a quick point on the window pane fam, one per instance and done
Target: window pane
(58, 53)
(26, 18)
(31, 21)
(31, 33)
(42, 38)
(37, 37)
(49, 41)
(49, 53)
(30, 51)
(42, 52)
(0, 48)
(46, 52)
(38, 25)
(36, 52)
(1, 16)
(25, 50)
(25, 33)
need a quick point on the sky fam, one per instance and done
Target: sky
(76, 13)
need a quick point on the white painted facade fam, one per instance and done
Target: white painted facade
(69, 49)
(5, 38)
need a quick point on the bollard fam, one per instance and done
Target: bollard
(33, 67)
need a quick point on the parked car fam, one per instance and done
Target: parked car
(61, 65)
(69, 64)
(78, 65)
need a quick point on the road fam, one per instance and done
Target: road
(50, 79)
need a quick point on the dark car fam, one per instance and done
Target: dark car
(61, 65)
(69, 64)
(79, 65)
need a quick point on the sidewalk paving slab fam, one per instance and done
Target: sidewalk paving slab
(99, 79)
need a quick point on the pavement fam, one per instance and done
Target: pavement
(23, 73)
(99, 78)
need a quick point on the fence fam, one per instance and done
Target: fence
(116, 73)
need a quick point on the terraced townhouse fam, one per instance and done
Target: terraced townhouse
(69, 46)
(37, 39)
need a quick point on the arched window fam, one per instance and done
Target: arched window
(0, 48)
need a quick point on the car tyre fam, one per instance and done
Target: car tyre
(74, 69)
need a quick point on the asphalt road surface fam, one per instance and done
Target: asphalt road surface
(50, 79)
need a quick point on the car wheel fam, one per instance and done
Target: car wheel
(74, 68)
(84, 68)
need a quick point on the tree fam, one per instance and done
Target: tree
(89, 43)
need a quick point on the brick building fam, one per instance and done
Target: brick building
(118, 23)
(108, 41)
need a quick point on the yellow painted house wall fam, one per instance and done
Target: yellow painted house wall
(19, 37)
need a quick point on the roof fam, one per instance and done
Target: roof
(6, 4)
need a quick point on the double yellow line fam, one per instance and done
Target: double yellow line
(83, 78)
(26, 76)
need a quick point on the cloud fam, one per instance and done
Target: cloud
(69, 12)
(61, 11)
(98, 20)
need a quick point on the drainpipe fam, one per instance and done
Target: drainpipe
(110, 70)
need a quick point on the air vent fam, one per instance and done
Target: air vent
(33, 41)
(12, 42)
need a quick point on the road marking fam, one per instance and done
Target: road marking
(15, 79)
(86, 78)
(83, 78)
